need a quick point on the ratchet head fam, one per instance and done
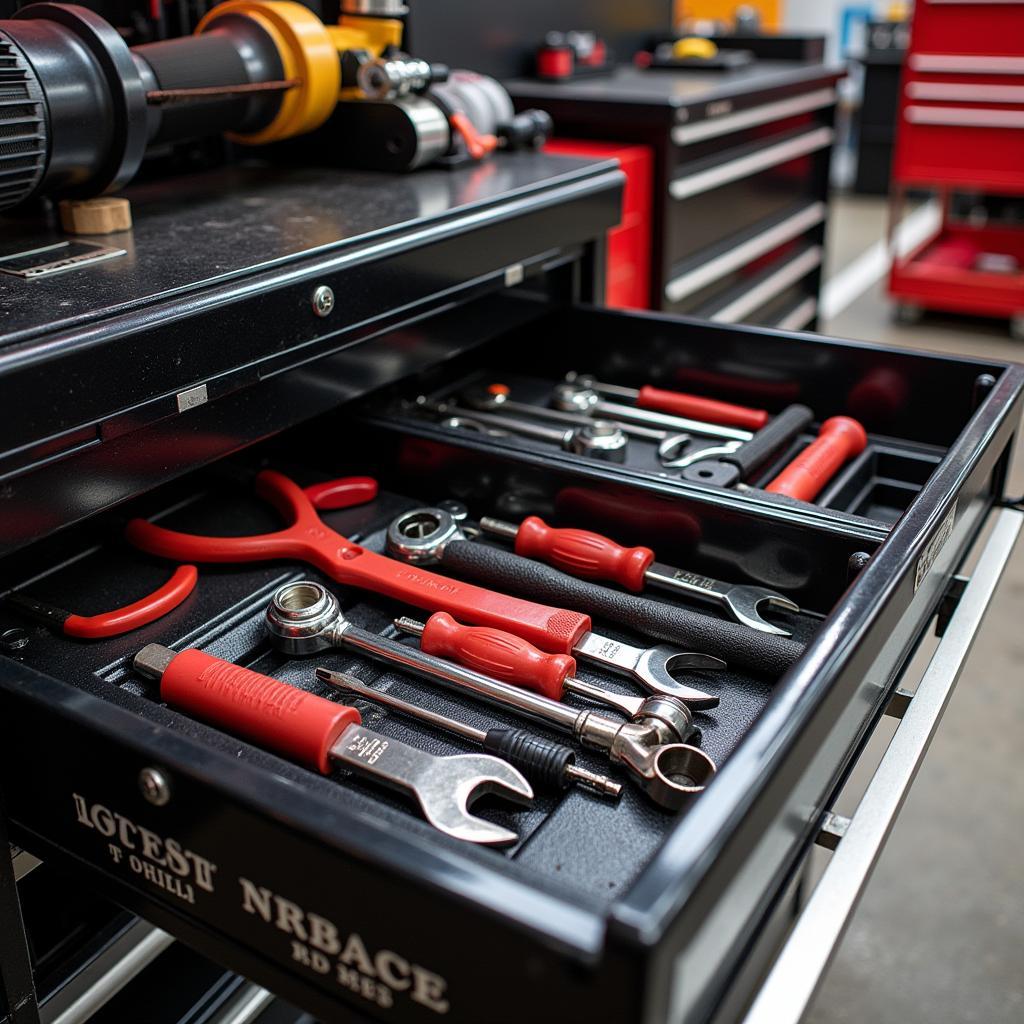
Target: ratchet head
(448, 789)
(303, 618)
(420, 535)
(744, 604)
(574, 397)
(601, 439)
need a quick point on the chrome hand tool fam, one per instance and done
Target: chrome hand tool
(678, 403)
(435, 530)
(320, 733)
(651, 746)
(596, 439)
(731, 467)
(430, 536)
(305, 617)
(578, 398)
(544, 762)
(592, 556)
(495, 398)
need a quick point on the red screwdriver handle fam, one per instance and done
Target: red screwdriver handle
(839, 440)
(498, 654)
(273, 714)
(589, 556)
(710, 410)
(309, 539)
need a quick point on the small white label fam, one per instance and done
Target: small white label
(718, 108)
(935, 545)
(193, 397)
(513, 275)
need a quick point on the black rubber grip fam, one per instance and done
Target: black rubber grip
(541, 761)
(778, 431)
(764, 653)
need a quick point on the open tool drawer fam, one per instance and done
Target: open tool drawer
(335, 893)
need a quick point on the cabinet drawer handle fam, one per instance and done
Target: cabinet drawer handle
(683, 135)
(766, 290)
(744, 253)
(798, 317)
(965, 117)
(742, 167)
(960, 92)
(800, 967)
(960, 64)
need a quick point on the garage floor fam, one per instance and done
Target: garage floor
(939, 934)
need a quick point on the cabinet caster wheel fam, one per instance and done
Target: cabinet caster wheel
(907, 313)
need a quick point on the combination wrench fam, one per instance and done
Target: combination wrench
(320, 733)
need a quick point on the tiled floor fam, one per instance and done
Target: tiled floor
(939, 934)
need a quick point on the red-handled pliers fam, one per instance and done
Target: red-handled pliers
(308, 539)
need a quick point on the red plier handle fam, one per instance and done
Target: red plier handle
(308, 539)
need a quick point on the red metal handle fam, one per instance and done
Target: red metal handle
(838, 441)
(273, 714)
(310, 540)
(498, 654)
(140, 613)
(710, 410)
(590, 556)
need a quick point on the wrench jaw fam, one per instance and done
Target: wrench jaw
(653, 671)
(447, 807)
(420, 535)
(744, 605)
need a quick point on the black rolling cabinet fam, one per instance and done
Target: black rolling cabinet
(740, 179)
(157, 383)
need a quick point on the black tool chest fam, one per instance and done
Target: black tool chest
(158, 383)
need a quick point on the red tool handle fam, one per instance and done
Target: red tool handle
(590, 556)
(345, 492)
(292, 722)
(498, 654)
(310, 540)
(140, 613)
(678, 403)
(838, 441)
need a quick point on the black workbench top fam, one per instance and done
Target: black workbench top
(665, 93)
(206, 229)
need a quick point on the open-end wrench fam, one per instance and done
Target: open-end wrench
(651, 746)
(678, 403)
(547, 763)
(495, 398)
(320, 733)
(597, 439)
(430, 536)
(305, 618)
(575, 397)
(592, 556)
(725, 448)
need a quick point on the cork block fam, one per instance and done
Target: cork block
(95, 216)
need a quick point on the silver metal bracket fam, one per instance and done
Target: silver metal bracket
(833, 828)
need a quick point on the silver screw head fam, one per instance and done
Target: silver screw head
(323, 301)
(155, 786)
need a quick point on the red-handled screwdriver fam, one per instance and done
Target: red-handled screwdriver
(678, 403)
(514, 660)
(592, 556)
(839, 440)
(318, 732)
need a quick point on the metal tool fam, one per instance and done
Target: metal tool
(319, 733)
(651, 744)
(305, 618)
(543, 761)
(678, 403)
(596, 439)
(430, 536)
(596, 557)
(514, 660)
(495, 397)
(576, 397)
(723, 469)
(726, 448)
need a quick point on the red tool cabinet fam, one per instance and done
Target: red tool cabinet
(961, 128)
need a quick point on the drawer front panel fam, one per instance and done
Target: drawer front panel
(734, 196)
